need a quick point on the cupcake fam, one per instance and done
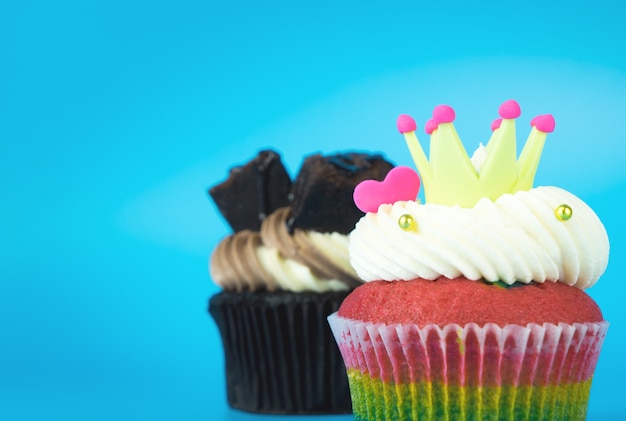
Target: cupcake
(473, 306)
(284, 269)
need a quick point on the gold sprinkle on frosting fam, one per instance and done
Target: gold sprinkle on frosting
(563, 212)
(406, 222)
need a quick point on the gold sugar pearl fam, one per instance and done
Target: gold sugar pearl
(563, 212)
(406, 222)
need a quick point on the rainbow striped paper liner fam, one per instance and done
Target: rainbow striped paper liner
(532, 372)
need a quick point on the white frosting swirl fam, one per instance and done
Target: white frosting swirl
(516, 238)
(273, 258)
(293, 276)
(243, 262)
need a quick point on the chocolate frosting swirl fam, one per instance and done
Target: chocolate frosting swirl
(275, 259)
(235, 264)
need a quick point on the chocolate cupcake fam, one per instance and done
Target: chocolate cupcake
(283, 271)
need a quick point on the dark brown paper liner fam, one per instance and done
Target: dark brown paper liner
(280, 354)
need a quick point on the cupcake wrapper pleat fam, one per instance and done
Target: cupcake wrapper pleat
(279, 353)
(471, 372)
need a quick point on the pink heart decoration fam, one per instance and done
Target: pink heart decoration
(401, 183)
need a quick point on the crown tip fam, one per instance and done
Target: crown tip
(495, 124)
(430, 126)
(544, 123)
(406, 124)
(443, 114)
(509, 109)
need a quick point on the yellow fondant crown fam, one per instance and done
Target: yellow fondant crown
(450, 177)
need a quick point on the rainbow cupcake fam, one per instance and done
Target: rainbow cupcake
(473, 306)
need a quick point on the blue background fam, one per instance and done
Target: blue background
(116, 116)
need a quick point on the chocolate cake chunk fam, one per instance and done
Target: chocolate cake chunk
(322, 191)
(253, 191)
